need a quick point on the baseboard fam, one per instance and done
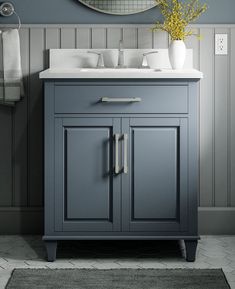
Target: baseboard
(21, 220)
(212, 221)
(216, 221)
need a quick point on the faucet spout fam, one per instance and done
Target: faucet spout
(121, 57)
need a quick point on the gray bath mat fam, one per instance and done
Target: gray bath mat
(117, 279)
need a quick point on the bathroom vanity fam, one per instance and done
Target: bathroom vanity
(121, 156)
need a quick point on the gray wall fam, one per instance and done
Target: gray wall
(71, 11)
(21, 132)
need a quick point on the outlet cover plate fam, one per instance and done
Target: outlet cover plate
(221, 44)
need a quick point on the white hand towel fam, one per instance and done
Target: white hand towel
(11, 79)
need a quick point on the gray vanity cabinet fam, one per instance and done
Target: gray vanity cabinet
(121, 161)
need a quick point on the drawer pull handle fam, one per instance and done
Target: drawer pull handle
(125, 167)
(109, 99)
(116, 167)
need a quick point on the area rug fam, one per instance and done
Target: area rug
(117, 279)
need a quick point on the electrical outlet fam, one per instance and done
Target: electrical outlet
(221, 44)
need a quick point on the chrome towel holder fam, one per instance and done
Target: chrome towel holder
(7, 9)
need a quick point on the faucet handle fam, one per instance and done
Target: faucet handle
(145, 61)
(100, 62)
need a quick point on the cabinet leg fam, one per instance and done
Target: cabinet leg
(191, 248)
(51, 247)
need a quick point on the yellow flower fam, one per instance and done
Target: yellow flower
(177, 15)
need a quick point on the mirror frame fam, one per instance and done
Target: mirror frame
(115, 13)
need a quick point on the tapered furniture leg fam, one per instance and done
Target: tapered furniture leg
(51, 247)
(191, 248)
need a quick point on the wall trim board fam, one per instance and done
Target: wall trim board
(211, 221)
(110, 25)
(21, 209)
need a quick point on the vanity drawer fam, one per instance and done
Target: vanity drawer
(121, 99)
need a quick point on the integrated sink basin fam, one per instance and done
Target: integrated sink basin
(119, 73)
(118, 70)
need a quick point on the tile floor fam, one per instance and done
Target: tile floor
(29, 252)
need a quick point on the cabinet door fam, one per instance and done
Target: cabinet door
(87, 192)
(155, 185)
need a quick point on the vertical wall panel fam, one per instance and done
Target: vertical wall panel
(52, 40)
(130, 37)
(20, 131)
(35, 118)
(5, 149)
(145, 38)
(83, 38)
(98, 38)
(193, 43)
(232, 114)
(160, 39)
(5, 156)
(114, 35)
(207, 118)
(221, 128)
(68, 38)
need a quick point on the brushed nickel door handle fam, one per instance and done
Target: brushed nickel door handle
(128, 99)
(116, 140)
(125, 165)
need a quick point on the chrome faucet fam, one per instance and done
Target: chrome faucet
(145, 61)
(121, 60)
(100, 62)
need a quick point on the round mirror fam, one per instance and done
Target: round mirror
(120, 7)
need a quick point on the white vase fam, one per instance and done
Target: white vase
(177, 54)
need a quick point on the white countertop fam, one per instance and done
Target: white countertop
(124, 73)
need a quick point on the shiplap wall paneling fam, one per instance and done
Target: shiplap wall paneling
(145, 38)
(130, 37)
(232, 120)
(207, 118)
(52, 40)
(35, 101)
(6, 167)
(221, 127)
(193, 43)
(114, 35)
(160, 39)
(20, 131)
(99, 38)
(68, 37)
(6, 156)
(83, 38)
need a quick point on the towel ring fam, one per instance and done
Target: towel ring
(7, 9)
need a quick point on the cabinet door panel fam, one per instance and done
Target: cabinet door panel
(154, 173)
(89, 193)
(88, 186)
(155, 190)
